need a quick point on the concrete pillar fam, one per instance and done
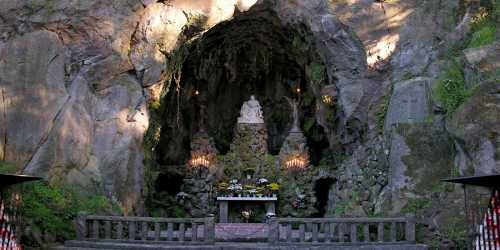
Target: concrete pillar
(270, 207)
(223, 211)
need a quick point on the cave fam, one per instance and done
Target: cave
(322, 191)
(169, 183)
(251, 54)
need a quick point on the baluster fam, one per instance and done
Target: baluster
(366, 232)
(340, 228)
(302, 232)
(107, 229)
(194, 231)
(393, 232)
(181, 232)
(170, 231)
(119, 230)
(274, 231)
(131, 230)
(95, 229)
(328, 235)
(332, 231)
(354, 236)
(81, 225)
(144, 229)
(157, 231)
(410, 229)
(380, 232)
(314, 232)
(209, 230)
(289, 232)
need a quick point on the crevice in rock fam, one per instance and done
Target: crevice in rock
(49, 131)
(322, 191)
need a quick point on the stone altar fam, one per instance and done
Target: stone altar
(224, 205)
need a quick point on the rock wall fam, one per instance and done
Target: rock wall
(82, 82)
(75, 80)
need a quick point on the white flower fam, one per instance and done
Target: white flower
(234, 181)
(262, 180)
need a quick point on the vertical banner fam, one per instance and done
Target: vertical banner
(488, 231)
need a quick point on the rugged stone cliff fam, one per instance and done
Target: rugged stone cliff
(100, 95)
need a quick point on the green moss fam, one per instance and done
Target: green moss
(7, 168)
(451, 91)
(416, 206)
(384, 107)
(431, 155)
(316, 72)
(483, 36)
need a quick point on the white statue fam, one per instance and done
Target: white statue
(251, 112)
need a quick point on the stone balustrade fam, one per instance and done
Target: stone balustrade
(145, 229)
(342, 231)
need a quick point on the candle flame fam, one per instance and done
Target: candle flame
(200, 161)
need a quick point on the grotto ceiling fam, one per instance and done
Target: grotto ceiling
(251, 54)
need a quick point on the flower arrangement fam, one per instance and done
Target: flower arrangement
(274, 186)
(260, 189)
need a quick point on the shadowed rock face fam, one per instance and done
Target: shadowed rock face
(252, 54)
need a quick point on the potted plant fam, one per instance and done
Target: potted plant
(222, 188)
(250, 190)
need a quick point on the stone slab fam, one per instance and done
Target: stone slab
(410, 102)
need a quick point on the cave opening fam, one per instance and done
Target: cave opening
(322, 189)
(253, 53)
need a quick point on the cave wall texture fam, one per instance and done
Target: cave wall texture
(90, 93)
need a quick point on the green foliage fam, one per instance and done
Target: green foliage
(309, 124)
(307, 99)
(416, 206)
(455, 231)
(483, 36)
(455, 172)
(451, 90)
(7, 168)
(316, 72)
(382, 113)
(429, 118)
(52, 209)
(341, 209)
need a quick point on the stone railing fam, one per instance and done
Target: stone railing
(145, 229)
(342, 231)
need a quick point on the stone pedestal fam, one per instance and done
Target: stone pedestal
(223, 211)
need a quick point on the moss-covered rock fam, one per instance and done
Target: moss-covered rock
(475, 126)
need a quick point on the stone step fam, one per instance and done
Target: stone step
(241, 232)
(90, 245)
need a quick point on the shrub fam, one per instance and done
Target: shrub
(50, 210)
(451, 90)
(483, 36)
